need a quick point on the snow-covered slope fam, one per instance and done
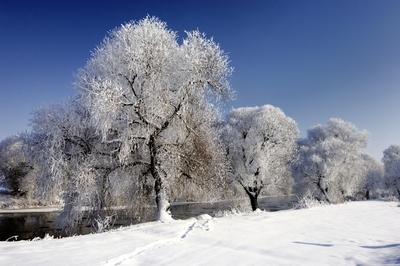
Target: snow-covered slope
(357, 233)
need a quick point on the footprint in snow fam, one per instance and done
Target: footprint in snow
(202, 222)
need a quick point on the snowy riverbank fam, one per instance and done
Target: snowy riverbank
(365, 233)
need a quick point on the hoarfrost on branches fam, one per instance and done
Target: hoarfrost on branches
(16, 168)
(153, 96)
(261, 144)
(330, 162)
(391, 161)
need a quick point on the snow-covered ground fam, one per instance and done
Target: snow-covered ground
(357, 233)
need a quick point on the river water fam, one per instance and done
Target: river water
(28, 225)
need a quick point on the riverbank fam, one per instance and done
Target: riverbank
(363, 233)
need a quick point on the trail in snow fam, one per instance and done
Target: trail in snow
(129, 256)
(202, 222)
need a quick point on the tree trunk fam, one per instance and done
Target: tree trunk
(162, 203)
(163, 206)
(253, 196)
(253, 193)
(253, 201)
(103, 195)
(323, 191)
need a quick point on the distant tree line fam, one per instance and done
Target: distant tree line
(146, 127)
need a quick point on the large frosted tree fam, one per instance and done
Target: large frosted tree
(330, 162)
(261, 144)
(391, 161)
(156, 97)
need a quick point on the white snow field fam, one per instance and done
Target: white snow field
(357, 233)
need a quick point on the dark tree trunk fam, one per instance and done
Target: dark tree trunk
(253, 193)
(253, 202)
(323, 191)
(153, 170)
(158, 190)
(367, 196)
(104, 191)
(162, 206)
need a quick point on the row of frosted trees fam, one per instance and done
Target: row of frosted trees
(146, 128)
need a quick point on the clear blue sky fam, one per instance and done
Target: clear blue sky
(314, 59)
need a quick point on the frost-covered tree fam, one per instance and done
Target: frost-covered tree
(81, 168)
(329, 164)
(391, 161)
(15, 165)
(47, 189)
(23, 170)
(363, 179)
(261, 144)
(372, 181)
(153, 95)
